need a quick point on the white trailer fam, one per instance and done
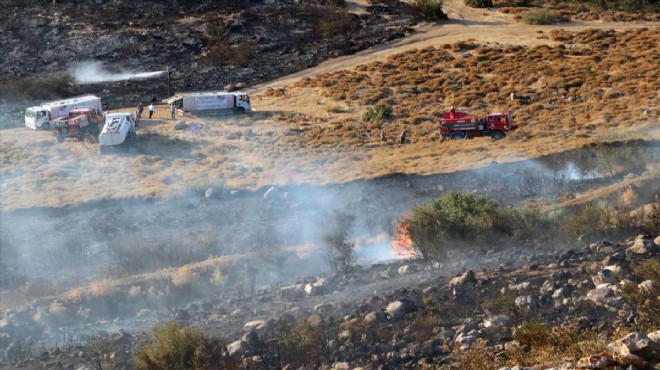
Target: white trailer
(39, 117)
(212, 100)
(118, 128)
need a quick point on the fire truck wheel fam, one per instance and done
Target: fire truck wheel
(497, 135)
(457, 136)
(45, 126)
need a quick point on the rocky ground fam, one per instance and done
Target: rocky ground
(416, 315)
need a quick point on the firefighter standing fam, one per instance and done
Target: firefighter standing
(402, 137)
(140, 109)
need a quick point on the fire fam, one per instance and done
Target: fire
(402, 243)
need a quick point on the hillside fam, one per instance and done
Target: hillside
(305, 234)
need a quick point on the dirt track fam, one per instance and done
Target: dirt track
(483, 25)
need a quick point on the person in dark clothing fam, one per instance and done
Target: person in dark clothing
(402, 137)
(140, 109)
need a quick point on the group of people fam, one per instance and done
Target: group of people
(140, 109)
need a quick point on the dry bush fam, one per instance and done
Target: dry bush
(184, 276)
(431, 9)
(103, 288)
(479, 3)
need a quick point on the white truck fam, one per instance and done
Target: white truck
(118, 128)
(40, 117)
(211, 100)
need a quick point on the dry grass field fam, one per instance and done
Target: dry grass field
(585, 87)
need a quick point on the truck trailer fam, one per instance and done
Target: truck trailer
(212, 101)
(41, 116)
(118, 129)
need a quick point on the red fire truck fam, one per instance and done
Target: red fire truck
(76, 124)
(458, 125)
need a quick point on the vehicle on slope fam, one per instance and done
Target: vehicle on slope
(41, 116)
(119, 128)
(211, 101)
(458, 125)
(76, 124)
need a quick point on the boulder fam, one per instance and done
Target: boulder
(181, 125)
(497, 322)
(291, 291)
(237, 348)
(604, 276)
(655, 336)
(637, 344)
(375, 317)
(601, 293)
(467, 278)
(642, 246)
(398, 309)
(252, 325)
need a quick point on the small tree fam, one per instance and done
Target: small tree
(339, 250)
(173, 347)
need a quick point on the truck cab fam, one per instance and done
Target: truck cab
(243, 102)
(37, 118)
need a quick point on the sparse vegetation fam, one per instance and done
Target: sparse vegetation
(540, 17)
(47, 88)
(339, 249)
(431, 9)
(173, 347)
(449, 223)
(479, 3)
(377, 113)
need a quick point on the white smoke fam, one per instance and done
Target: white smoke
(95, 72)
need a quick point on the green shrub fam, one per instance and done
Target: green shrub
(540, 17)
(173, 347)
(452, 218)
(377, 113)
(431, 9)
(479, 3)
(504, 304)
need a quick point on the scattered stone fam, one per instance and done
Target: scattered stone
(637, 344)
(181, 125)
(600, 293)
(375, 317)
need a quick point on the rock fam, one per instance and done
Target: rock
(497, 322)
(375, 317)
(291, 291)
(646, 286)
(524, 286)
(252, 340)
(655, 336)
(405, 269)
(238, 347)
(467, 278)
(563, 292)
(600, 293)
(208, 193)
(252, 325)
(323, 308)
(642, 246)
(656, 241)
(399, 308)
(604, 276)
(600, 361)
(341, 366)
(181, 125)
(637, 344)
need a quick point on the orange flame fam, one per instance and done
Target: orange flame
(402, 243)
